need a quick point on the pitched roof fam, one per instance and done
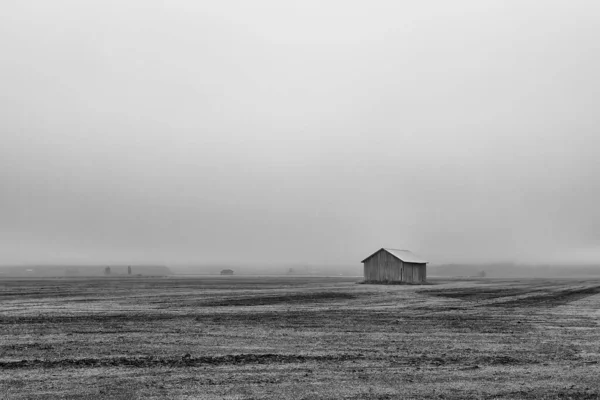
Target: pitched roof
(402, 255)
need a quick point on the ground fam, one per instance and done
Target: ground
(298, 338)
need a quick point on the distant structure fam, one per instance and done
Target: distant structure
(392, 265)
(227, 272)
(107, 271)
(129, 270)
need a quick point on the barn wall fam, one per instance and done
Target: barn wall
(383, 267)
(415, 272)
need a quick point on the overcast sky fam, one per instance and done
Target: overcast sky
(309, 131)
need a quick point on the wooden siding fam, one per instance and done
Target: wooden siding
(415, 272)
(384, 267)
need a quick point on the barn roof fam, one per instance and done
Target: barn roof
(402, 255)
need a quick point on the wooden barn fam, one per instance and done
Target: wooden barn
(392, 265)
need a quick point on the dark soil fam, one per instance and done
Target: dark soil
(552, 299)
(184, 361)
(281, 299)
(547, 296)
(474, 293)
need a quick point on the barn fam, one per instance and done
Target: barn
(392, 265)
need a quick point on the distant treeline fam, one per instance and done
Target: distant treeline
(487, 270)
(159, 270)
(513, 270)
(283, 269)
(83, 271)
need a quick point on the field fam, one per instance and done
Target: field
(295, 337)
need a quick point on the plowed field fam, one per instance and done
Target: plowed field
(294, 338)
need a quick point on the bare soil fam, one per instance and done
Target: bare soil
(296, 337)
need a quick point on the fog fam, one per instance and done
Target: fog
(304, 132)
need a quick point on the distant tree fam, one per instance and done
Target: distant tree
(107, 271)
(129, 270)
(482, 274)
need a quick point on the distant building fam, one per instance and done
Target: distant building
(392, 265)
(227, 272)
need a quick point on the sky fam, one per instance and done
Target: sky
(279, 131)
